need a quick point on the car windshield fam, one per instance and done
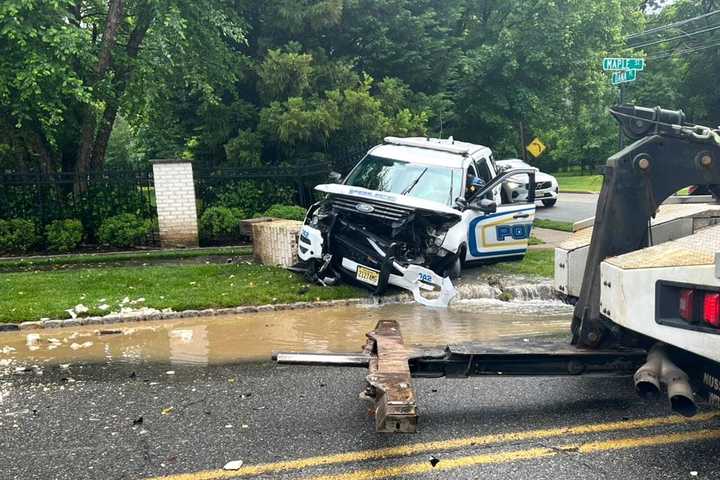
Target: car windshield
(428, 182)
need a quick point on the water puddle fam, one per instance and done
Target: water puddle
(228, 339)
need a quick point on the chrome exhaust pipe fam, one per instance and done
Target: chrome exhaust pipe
(660, 370)
(647, 377)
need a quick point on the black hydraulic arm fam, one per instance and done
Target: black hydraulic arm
(667, 155)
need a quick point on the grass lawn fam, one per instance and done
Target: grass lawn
(95, 258)
(535, 241)
(582, 183)
(536, 262)
(34, 295)
(553, 225)
(588, 183)
(48, 294)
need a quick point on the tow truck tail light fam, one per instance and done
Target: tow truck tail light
(687, 301)
(711, 309)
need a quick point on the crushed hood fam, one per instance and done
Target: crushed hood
(405, 200)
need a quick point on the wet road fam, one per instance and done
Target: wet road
(184, 417)
(570, 207)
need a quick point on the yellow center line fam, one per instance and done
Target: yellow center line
(426, 447)
(529, 454)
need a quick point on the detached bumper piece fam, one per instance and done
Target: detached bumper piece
(392, 365)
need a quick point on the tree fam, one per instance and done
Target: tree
(68, 67)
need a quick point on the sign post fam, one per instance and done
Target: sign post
(624, 70)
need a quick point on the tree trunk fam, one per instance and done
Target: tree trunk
(109, 40)
(146, 14)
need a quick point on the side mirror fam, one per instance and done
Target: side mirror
(485, 205)
(334, 177)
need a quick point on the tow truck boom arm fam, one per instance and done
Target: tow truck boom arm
(667, 155)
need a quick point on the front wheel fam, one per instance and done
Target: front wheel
(550, 203)
(455, 269)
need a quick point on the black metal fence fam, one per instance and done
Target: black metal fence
(256, 189)
(98, 195)
(91, 198)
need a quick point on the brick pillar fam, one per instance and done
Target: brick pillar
(176, 208)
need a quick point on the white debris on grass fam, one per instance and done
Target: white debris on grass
(77, 310)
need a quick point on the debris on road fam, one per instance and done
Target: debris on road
(234, 465)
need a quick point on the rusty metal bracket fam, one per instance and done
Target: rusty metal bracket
(389, 380)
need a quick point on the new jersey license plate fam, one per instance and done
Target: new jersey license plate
(367, 275)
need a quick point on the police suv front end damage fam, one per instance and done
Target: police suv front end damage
(372, 238)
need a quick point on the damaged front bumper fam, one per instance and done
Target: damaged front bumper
(363, 259)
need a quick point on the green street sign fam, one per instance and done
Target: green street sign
(624, 77)
(618, 63)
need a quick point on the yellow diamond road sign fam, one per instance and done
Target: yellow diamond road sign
(536, 147)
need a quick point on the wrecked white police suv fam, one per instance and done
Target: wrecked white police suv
(412, 213)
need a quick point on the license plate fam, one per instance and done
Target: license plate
(367, 275)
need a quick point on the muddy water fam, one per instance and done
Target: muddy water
(218, 340)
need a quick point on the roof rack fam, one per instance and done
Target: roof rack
(464, 149)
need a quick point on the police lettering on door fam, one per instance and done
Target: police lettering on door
(514, 232)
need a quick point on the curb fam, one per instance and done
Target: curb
(209, 312)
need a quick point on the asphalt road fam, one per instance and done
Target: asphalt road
(570, 207)
(125, 421)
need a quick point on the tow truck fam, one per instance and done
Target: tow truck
(649, 301)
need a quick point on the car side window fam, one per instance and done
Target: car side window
(484, 170)
(471, 171)
(486, 174)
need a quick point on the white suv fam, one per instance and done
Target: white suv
(410, 214)
(515, 189)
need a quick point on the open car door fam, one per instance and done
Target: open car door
(504, 233)
(499, 230)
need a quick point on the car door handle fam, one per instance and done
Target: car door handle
(522, 215)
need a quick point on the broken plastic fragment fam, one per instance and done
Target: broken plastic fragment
(234, 465)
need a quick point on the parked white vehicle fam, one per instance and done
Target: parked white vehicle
(515, 189)
(411, 213)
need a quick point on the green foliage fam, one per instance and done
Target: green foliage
(64, 235)
(284, 75)
(253, 197)
(124, 230)
(253, 84)
(287, 212)
(221, 224)
(17, 235)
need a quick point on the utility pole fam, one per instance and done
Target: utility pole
(621, 138)
(522, 142)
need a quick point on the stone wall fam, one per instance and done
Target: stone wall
(176, 206)
(275, 243)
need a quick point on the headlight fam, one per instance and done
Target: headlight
(513, 185)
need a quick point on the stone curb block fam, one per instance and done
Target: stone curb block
(139, 317)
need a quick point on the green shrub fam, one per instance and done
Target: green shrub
(252, 196)
(125, 230)
(221, 223)
(288, 212)
(64, 235)
(17, 235)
